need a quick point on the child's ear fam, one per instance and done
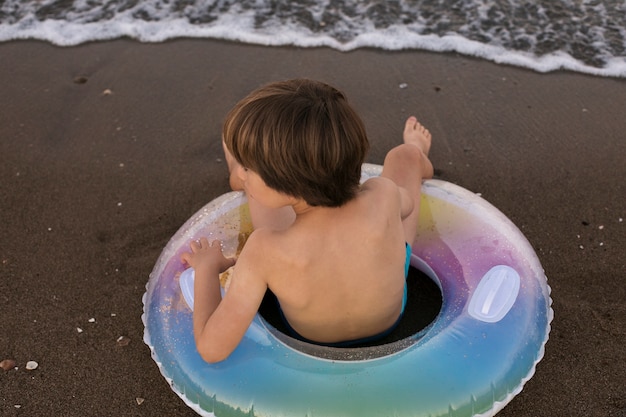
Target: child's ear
(242, 172)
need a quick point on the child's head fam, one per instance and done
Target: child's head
(302, 138)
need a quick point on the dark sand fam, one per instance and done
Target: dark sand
(94, 184)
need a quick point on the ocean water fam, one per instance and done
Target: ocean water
(587, 36)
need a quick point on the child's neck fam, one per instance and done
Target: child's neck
(301, 207)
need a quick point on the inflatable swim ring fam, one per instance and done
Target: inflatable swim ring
(471, 361)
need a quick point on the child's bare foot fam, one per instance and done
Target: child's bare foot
(416, 134)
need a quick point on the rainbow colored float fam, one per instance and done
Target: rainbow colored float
(471, 361)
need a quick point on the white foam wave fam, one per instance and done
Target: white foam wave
(239, 25)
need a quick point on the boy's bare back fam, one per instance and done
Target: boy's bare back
(338, 270)
(326, 269)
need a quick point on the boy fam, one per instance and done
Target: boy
(335, 253)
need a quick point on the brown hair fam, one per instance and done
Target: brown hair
(302, 138)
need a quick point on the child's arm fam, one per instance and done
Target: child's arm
(219, 324)
(208, 262)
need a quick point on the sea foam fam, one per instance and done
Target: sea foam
(587, 36)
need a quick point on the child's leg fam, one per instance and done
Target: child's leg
(407, 165)
(260, 215)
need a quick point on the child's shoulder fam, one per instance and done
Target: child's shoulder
(261, 246)
(264, 243)
(380, 192)
(257, 240)
(380, 186)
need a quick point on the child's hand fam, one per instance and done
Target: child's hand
(207, 257)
